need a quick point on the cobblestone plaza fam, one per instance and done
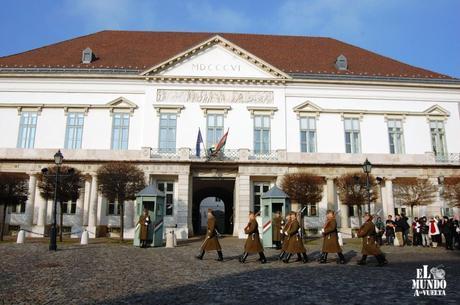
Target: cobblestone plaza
(106, 272)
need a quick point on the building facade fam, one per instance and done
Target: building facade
(289, 104)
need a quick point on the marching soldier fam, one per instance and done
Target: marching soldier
(294, 241)
(286, 227)
(144, 223)
(330, 239)
(253, 244)
(370, 246)
(211, 242)
(276, 226)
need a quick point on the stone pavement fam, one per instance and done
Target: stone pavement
(113, 273)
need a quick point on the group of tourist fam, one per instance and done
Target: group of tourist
(425, 232)
(287, 236)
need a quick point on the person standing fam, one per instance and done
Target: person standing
(253, 244)
(294, 241)
(447, 230)
(416, 232)
(287, 225)
(424, 229)
(330, 239)
(211, 242)
(380, 227)
(390, 230)
(370, 246)
(276, 229)
(399, 229)
(144, 223)
(406, 229)
(434, 232)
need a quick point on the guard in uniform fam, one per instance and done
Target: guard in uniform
(211, 242)
(144, 223)
(276, 229)
(370, 245)
(330, 239)
(294, 241)
(253, 244)
(285, 228)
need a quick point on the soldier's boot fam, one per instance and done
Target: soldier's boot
(262, 258)
(381, 260)
(281, 256)
(221, 257)
(362, 261)
(323, 258)
(299, 257)
(286, 259)
(305, 258)
(341, 258)
(243, 257)
(200, 256)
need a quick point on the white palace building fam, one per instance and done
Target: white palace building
(290, 103)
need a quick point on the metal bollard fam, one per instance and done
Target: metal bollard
(84, 238)
(21, 237)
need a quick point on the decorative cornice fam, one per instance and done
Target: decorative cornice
(217, 108)
(262, 109)
(168, 108)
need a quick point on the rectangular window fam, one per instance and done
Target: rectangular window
(215, 127)
(167, 132)
(19, 208)
(351, 210)
(259, 189)
(113, 208)
(352, 136)
(308, 134)
(74, 130)
(261, 134)
(120, 131)
(396, 137)
(27, 128)
(69, 207)
(167, 187)
(438, 138)
(312, 210)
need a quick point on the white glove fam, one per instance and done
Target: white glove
(281, 231)
(286, 233)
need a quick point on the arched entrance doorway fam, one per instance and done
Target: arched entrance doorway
(205, 188)
(218, 207)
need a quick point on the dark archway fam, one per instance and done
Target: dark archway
(222, 189)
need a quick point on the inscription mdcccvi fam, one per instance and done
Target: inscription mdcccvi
(214, 96)
(217, 67)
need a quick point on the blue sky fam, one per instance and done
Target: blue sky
(424, 33)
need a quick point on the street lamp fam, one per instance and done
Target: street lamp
(367, 167)
(58, 157)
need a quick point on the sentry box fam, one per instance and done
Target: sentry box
(154, 201)
(273, 200)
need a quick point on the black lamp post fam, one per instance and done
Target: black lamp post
(367, 167)
(58, 157)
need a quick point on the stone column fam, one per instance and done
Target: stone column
(344, 216)
(242, 204)
(330, 193)
(129, 214)
(80, 210)
(92, 214)
(86, 200)
(388, 205)
(31, 199)
(184, 203)
(42, 211)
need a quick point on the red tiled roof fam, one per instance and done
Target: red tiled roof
(142, 50)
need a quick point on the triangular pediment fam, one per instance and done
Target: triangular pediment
(216, 58)
(307, 107)
(437, 110)
(121, 103)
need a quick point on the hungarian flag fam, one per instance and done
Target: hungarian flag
(221, 144)
(199, 140)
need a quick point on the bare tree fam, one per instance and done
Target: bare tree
(118, 182)
(69, 188)
(414, 192)
(451, 191)
(352, 190)
(14, 189)
(304, 188)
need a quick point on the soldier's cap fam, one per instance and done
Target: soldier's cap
(209, 210)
